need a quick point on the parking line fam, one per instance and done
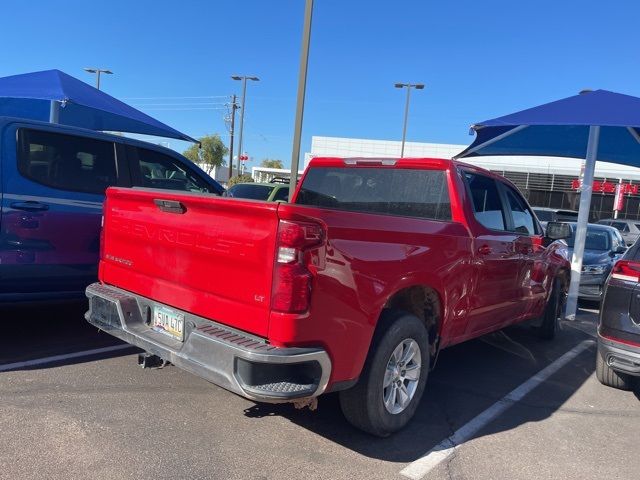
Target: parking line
(58, 358)
(421, 467)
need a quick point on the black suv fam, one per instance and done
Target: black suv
(618, 358)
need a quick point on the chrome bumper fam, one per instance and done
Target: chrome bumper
(232, 359)
(619, 356)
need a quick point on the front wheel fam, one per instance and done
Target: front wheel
(552, 312)
(393, 378)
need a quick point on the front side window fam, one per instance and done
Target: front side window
(523, 221)
(487, 207)
(66, 162)
(282, 194)
(250, 191)
(387, 191)
(158, 170)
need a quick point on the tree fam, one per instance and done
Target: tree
(210, 154)
(271, 163)
(244, 178)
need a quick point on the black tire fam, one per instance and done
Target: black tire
(363, 404)
(608, 376)
(552, 312)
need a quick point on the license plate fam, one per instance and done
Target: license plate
(168, 322)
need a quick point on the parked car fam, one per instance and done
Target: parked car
(618, 358)
(630, 229)
(53, 179)
(604, 245)
(355, 287)
(545, 214)
(270, 192)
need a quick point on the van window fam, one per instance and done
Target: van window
(66, 162)
(389, 191)
(158, 170)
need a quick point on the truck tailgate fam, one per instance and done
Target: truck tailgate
(207, 255)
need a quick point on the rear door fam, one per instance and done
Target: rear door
(53, 186)
(496, 297)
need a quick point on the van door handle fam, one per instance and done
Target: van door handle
(484, 250)
(30, 206)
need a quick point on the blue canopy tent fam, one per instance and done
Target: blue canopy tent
(54, 96)
(598, 125)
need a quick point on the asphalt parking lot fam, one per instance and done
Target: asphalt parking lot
(101, 416)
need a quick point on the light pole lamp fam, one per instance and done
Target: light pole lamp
(244, 79)
(408, 86)
(98, 71)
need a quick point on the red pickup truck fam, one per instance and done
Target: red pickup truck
(355, 286)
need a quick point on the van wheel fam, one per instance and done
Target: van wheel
(393, 378)
(608, 376)
(552, 312)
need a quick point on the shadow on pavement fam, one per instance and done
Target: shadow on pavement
(468, 379)
(34, 331)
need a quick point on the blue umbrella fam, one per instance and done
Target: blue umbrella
(52, 95)
(598, 125)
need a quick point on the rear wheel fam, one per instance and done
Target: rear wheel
(393, 378)
(552, 312)
(608, 376)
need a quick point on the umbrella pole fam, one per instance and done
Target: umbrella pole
(54, 112)
(583, 220)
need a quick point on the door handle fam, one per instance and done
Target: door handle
(484, 250)
(170, 206)
(30, 206)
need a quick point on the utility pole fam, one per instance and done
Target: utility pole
(98, 71)
(302, 85)
(244, 79)
(234, 107)
(408, 86)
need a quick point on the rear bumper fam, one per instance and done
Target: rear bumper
(232, 359)
(620, 356)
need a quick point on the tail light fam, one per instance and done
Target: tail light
(291, 289)
(626, 270)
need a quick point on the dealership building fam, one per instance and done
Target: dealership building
(545, 181)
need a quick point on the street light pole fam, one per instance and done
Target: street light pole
(244, 79)
(234, 107)
(408, 86)
(302, 85)
(98, 71)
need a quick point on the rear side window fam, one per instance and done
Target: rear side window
(487, 206)
(158, 170)
(66, 162)
(252, 192)
(388, 191)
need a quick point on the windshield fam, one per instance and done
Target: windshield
(596, 240)
(253, 192)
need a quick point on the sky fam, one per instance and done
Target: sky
(478, 60)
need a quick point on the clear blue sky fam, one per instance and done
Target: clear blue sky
(478, 60)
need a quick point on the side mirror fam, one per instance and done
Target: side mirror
(558, 230)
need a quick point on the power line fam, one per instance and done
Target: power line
(173, 98)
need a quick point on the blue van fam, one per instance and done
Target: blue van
(52, 183)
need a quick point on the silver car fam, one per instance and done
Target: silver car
(630, 229)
